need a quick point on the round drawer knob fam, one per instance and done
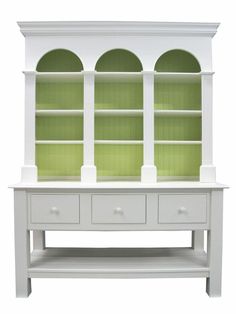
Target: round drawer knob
(54, 210)
(182, 210)
(118, 210)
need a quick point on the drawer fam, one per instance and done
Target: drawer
(119, 209)
(182, 208)
(54, 208)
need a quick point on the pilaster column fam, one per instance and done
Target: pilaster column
(29, 170)
(207, 170)
(88, 170)
(148, 172)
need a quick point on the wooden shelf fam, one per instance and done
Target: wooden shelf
(118, 263)
(57, 112)
(109, 77)
(47, 77)
(58, 142)
(180, 77)
(118, 142)
(173, 113)
(162, 142)
(119, 112)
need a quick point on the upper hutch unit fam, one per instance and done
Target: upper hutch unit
(118, 101)
(118, 136)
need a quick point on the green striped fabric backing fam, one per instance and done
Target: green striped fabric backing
(118, 160)
(118, 128)
(177, 95)
(119, 95)
(59, 128)
(178, 128)
(59, 160)
(178, 160)
(177, 60)
(59, 95)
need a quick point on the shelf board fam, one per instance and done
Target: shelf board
(117, 263)
(57, 112)
(58, 142)
(189, 113)
(180, 77)
(110, 77)
(168, 142)
(118, 142)
(47, 77)
(119, 112)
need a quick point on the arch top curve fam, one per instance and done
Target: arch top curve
(118, 60)
(177, 60)
(59, 60)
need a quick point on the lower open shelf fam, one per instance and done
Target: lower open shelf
(117, 263)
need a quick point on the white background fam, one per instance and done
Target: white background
(116, 296)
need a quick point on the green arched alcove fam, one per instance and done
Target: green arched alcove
(59, 60)
(118, 60)
(177, 61)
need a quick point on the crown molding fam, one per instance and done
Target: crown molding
(73, 28)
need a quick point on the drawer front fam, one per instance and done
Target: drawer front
(182, 208)
(119, 209)
(54, 208)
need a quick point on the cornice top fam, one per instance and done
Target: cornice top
(107, 28)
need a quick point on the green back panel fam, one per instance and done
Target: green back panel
(118, 128)
(178, 128)
(178, 160)
(177, 96)
(59, 128)
(59, 60)
(118, 60)
(118, 160)
(177, 61)
(119, 95)
(59, 160)
(59, 95)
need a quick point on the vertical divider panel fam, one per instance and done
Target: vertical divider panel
(88, 170)
(29, 170)
(207, 170)
(149, 172)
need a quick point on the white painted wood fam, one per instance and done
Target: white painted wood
(207, 170)
(198, 240)
(38, 240)
(214, 245)
(29, 170)
(118, 142)
(180, 208)
(148, 171)
(118, 209)
(119, 112)
(22, 245)
(168, 186)
(173, 113)
(55, 112)
(88, 170)
(54, 208)
(116, 28)
(168, 142)
(118, 263)
(62, 142)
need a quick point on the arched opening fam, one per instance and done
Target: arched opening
(178, 128)
(177, 61)
(60, 60)
(118, 60)
(118, 136)
(59, 92)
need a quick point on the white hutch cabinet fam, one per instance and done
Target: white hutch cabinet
(118, 136)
